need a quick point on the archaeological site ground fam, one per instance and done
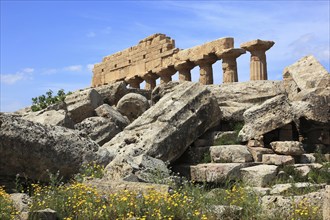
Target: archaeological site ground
(175, 149)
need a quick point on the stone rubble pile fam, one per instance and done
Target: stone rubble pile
(214, 134)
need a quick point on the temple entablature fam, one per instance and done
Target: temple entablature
(157, 57)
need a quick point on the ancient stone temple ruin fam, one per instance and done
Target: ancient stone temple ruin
(157, 57)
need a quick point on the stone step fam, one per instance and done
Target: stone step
(212, 172)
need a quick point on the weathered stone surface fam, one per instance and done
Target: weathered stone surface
(259, 176)
(326, 204)
(168, 128)
(281, 188)
(81, 104)
(282, 207)
(235, 98)
(277, 159)
(257, 152)
(230, 154)
(225, 212)
(29, 149)
(132, 105)
(113, 115)
(161, 90)
(45, 214)
(113, 92)
(21, 201)
(288, 147)
(51, 117)
(99, 129)
(304, 169)
(216, 172)
(255, 143)
(307, 73)
(273, 113)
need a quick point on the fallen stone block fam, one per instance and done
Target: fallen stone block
(277, 159)
(166, 129)
(260, 175)
(288, 147)
(99, 129)
(132, 105)
(113, 115)
(81, 104)
(230, 154)
(257, 152)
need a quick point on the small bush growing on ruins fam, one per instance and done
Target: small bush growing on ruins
(206, 157)
(7, 209)
(43, 101)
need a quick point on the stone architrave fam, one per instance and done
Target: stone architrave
(229, 64)
(258, 63)
(206, 70)
(134, 82)
(184, 70)
(166, 74)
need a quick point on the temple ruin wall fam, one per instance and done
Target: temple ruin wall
(157, 57)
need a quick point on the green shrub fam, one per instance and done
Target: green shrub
(43, 101)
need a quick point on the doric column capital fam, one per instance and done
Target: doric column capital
(230, 53)
(257, 45)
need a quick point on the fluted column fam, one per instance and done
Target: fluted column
(150, 79)
(258, 63)
(229, 64)
(206, 70)
(134, 82)
(166, 74)
(184, 70)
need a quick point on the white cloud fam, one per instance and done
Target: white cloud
(90, 67)
(73, 68)
(24, 74)
(49, 71)
(91, 34)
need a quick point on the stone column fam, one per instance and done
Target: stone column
(206, 70)
(229, 64)
(166, 74)
(258, 64)
(134, 82)
(184, 70)
(150, 79)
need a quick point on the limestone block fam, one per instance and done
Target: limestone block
(132, 106)
(257, 152)
(45, 214)
(307, 73)
(277, 159)
(304, 169)
(288, 147)
(216, 172)
(81, 104)
(230, 154)
(255, 143)
(21, 201)
(99, 129)
(281, 188)
(29, 149)
(260, 175)
(224, 212)
(113, 92)
(169, 127)
(52, 117)
(270, 115)
(113, 115)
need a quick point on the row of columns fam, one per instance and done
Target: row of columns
(258, 66)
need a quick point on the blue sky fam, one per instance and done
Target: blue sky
(53, 44)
